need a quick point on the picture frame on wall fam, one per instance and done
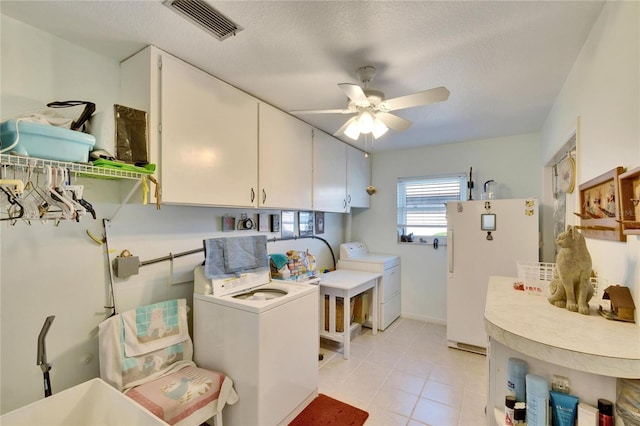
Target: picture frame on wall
(274, 222)
(319, 220)
(600, 207)
(288, 224)
(263, 222)
(305, 224)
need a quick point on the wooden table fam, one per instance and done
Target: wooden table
(346, 284)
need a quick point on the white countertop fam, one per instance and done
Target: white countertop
(531, 325)
(347, 279)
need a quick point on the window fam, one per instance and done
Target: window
(422, 209)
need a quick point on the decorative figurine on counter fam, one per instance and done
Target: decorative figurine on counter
(571, 286)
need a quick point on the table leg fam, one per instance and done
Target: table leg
(321, 313)
(374, 308)
(347, 326)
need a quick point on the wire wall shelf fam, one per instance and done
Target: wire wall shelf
(79, 169)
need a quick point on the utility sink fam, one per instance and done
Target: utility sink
(93, 403)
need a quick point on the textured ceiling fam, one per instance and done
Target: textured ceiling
(503, 61)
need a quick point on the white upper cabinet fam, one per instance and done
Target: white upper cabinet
(203, 132)
(358, 171)
(218, 146)
(329, 173)
(285, 152)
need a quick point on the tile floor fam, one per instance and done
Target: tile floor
(407, 376)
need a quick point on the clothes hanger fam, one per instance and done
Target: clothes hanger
(13, 202)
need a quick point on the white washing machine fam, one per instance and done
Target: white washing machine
(355, 256)
(266, 339)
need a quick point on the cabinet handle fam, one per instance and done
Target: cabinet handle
(264, 196)
(253, 195)
(344, 204)
(349, 196)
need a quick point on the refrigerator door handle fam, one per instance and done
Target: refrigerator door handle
(450, 249)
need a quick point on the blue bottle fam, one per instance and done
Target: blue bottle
(537, 400)
(516, 372)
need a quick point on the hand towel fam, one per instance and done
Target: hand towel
(152, 327)
(225, 257)
(278, 260)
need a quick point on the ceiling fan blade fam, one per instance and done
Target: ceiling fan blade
(355, 93)
(341, 130)
(425, 97)
(322, 111)
(394, 122)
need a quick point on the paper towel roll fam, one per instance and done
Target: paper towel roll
(102, 126)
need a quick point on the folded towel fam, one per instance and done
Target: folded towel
(152, 327)
(122, 371)
(225, 257)
(278, 260)
(239, 254)
(214, 258)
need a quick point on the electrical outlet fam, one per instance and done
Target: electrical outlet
(560, 384)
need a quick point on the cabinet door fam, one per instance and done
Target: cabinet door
(208, 141)
(358, 169)
(285, 160)
(329, 173)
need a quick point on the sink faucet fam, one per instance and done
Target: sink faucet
(42, 355)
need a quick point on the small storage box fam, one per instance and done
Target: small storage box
(45, 141)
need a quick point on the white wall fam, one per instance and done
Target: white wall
(513, 162)
(47, 270)
(603, 89)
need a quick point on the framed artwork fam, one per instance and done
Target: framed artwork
(263, 222)
(305, 224)
(319, 218)
(274, 222)
(228, 223)
(630, 201)
(600, 207)
(288, 224)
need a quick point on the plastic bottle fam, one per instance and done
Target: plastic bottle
(537, 400)
(520, 414)
(605, 412)
(509, 406)
(517, 370)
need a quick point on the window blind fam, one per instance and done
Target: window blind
(422, 202)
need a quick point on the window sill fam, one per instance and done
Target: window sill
(442, 241)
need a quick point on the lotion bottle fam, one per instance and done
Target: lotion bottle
(517, 370)
(537, 400)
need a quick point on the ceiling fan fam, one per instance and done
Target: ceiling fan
(373, 110)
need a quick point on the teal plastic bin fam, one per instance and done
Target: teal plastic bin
(45, 141)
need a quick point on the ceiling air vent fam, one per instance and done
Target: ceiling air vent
(203, 14)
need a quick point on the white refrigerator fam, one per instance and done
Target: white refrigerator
(484, 238)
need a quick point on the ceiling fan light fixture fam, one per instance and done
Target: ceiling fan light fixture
(353, 130)
(379, 128)
(366, 122)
